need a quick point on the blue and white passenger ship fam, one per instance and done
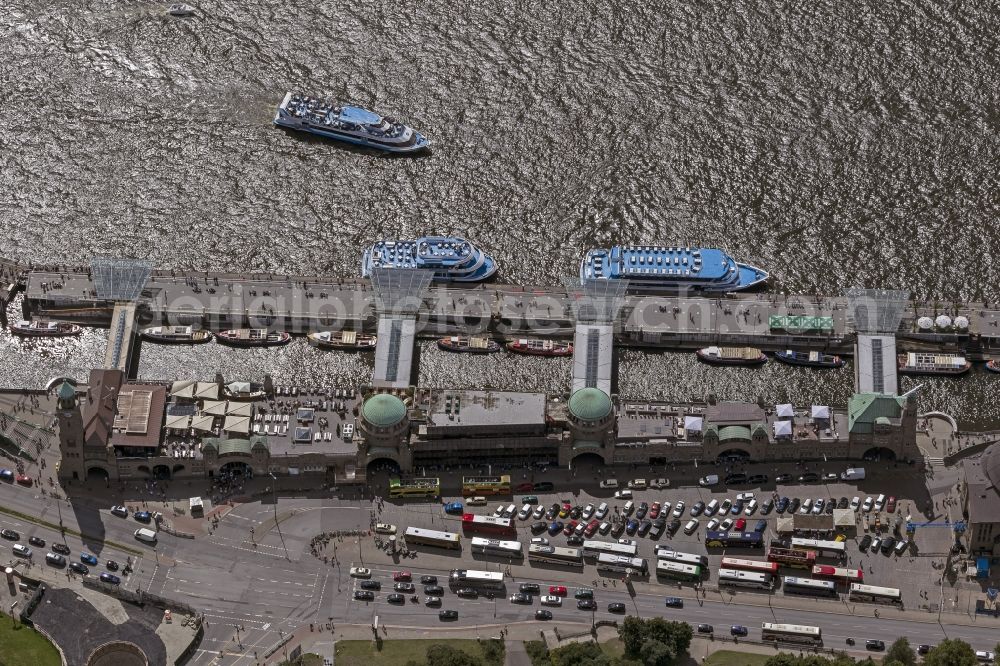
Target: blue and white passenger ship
(451, 258)
(352, 124)
(663, 268)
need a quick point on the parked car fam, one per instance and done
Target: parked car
(575, 540)
(575, 513)
(737, 507)
(876, 544)
(628, 508)
(143, 516)
(890, 505)
(712, 507)
(632, 526)
(602, 511)
(806, 506)
(793, 505)
(623, 494)
(79, 568)
(843, 503)
(539, 541)
(674, 602)
(538, 512)
(24, 480)
(924, 648)
(555, 527)
(855, 503)
(781, 505)
(887, 545)
(808, 477)
(757, 479)
(866, 541)
(760, 526)
(659, 484)
(544, 486)
(588, 512)
(654, 509)
(641, 512)
(818, 506)
(608, 484)
(21, 550)
(783, 478)
(570, 527)
(538, 528)
(751, 507)
(880, 502)
(552, 512)
(364, 595)
(740, 524)
(726, 505)
(542, 614)
(36, 541)
(525, 487)
(604, 528)
(454, 508)
(448, 615)
(678, 510)
(713, 525)
(736, 479)
(901, 546)
(691, 526)
(726, 524)
(586, 604)
(697, 509)
(565, 509)
(674, 525)
(370, 585)
(766, 506)
(868, 505)
(119, 511)
(644, 527)
(6, 475)
(656, 530)
(529, 499)
(591, 528)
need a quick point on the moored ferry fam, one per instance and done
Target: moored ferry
(253, 337)
(732, 356)
(44, 329)
(351, 124)
(917, 363)
(539, 347)
(452, 259)
(471, 345)
(176, 335)
(342, 340)
(671, 268)
(809, 359)
(993, 365)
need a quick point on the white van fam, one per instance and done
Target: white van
(712, 507)
(476, 501)
(510, 511)
(628, 508)
(637, 484)
(879, 502)
(853, 474)
(710, 480)
(147, 535)
(524, 512)
(385, 528)
(602, 510)
(21, 550)
(609, 483)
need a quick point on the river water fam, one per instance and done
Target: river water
(835, 144)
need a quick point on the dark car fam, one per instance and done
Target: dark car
(658, 526)
(706, 629)
(111, 579)
(396, 598)
(783, 478)
(675, 602)
(87, 558)
(866, 541)
(674, 525)
(61, 548)
(520, 598)
(55, 559)
(529, 499)
(781, 505)
(738, 630)
(631, 527)
(552, 512)
(111, 565)
(760, 526)
(530, 588)
(542, 614)
(888, 544)
(923, 648)
(468, 592)
(756, 479)
(555, 527)
(843, 503)
(586, 604)
(766, 506)
(10, 534)
(428, 580)
(143, 516)
(539, 527)
(433, 590)
(371, 585)
(616, 607)
(735, 479)
(830, 506)
(874, 644)
(697, 509)
(645, 526)
(809, 477)
(448, 615)
(575, 540)
(544, 486)
(36, 541)
(79, 568)
(793, 505)
(454, 508)
(737, 508)
(575, 513)
(641, 512)
(525, 487)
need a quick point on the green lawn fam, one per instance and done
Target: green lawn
(731, 658)
(396, 653)
(23, 646)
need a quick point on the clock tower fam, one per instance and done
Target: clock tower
(70, 433)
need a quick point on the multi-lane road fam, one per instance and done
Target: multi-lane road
(267, 584)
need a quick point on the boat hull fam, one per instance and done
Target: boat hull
(558, 349)
(66, 331)
(745, 362)
(361, 343)
(231, 341)
(197, 338)
(464, 348)
(993, 366)
(837, 361)
(935, 373)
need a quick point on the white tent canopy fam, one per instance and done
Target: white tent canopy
(177, 422)
(240, 408)
(785, 411)
(207, 391)
(214, 407)
(820, 412)
(925, 323)
(782, 428)
(183, 388)
(240, 424)
(943, 321)
(961, 322)
(202, 422)
(693, 423)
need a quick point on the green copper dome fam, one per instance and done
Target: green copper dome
(589, 404)
(66, 391)
(383, 410)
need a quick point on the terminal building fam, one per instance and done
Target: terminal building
(980, 493)
(121, 429)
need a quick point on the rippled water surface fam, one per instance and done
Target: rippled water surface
(833, 143)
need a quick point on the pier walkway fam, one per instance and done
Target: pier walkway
(121, 338)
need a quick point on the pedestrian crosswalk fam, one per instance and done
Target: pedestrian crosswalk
(933, 461)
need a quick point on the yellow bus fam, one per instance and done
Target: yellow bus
(485, 485)
(426, 487)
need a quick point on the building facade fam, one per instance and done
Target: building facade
(980, 493)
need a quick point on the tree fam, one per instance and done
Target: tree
(493, 651)
(656, 653)
(951, 652)
(579, 654)
(900, 651)
(634, 632)
(445, 655)
(631, 634)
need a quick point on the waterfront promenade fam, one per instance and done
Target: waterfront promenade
(300, 304)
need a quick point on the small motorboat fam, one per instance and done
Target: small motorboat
(745, 356)
(175, 335)
(916, 363)
(809, 359)
(44, 329)
(180, 9)
(471, 345)
(342, 340)
(539, 347)
(253, 337)
(993, 365)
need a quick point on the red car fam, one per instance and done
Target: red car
(740, 524)
(890, 504)
(654, 510)
(558, 590)
(591, 528)
(525, 487)
(570, 526)
(566, 508)
(401, 576)
(26, 480)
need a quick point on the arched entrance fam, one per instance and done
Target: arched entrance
(161, 472)
(177, 469)
(586, 461)
(384, 466)
(733, 455)
(236, 468)
(144, 469)
(98, 473)
(877, 453)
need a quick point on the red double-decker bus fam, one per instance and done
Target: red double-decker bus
(791, 557)
(749, 565)
(473, 523)
(840, 574)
